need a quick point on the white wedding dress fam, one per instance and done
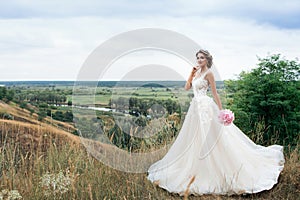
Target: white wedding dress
(210, 158)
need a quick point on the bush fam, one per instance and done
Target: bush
(269, 95)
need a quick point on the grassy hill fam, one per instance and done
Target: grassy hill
(43, 160)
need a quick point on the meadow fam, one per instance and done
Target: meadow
(43, 159)
(51, 165)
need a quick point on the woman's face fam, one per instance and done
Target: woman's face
(201, 59)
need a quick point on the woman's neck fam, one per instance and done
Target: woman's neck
(204, 69)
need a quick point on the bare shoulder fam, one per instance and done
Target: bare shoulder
(209, 75)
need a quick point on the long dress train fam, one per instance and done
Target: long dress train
(220, 159)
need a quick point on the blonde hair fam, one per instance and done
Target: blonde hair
(208, 57)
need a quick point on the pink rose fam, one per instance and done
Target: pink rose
(226, 117)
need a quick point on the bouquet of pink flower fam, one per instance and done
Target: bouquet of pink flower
(226, 117)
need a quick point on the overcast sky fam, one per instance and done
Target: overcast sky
(51, 39)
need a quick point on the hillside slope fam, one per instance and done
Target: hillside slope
(20, 124)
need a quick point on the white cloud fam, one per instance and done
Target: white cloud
(54, 48)
(276, 12)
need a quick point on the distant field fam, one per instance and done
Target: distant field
(102, 95)
(99, 93)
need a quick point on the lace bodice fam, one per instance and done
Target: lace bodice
(200, 85)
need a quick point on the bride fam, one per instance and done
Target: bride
(208, 157)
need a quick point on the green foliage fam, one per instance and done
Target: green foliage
(268, 95)
(141, 121)
(3, 92)
(41, 114)
(43, 105)
(90, 128)
(66, 116)
(144, 106)
(4, 115)
(23, 105)
(6, 95)
(118, 137)
(10, 95)
(46, 96)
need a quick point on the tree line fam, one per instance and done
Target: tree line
(40, 99)
(266, 100)
(150, 106)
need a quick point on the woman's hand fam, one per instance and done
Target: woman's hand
(194, 71)
(188, 84)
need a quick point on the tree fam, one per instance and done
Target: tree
(23, 105)
(68, 116)
(6, 94)
(10, 95)
(41, 114)
(269, 95)
(3, 92)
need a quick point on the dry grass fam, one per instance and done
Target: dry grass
(23, 115)
(29, 151)
(24, 162)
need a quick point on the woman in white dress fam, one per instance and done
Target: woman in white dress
(208, 157)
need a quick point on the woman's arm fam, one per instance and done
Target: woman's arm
(211, 80)
(188, 83)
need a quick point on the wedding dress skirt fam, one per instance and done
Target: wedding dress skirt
(210, 158)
